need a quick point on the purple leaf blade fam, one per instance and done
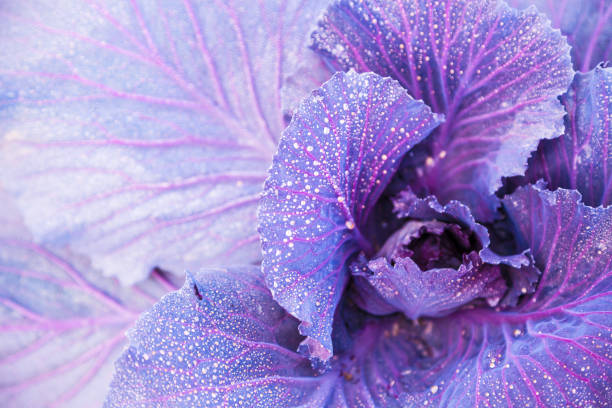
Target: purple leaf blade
(580, 158)
(433, 293)
(500, 360)
(62, 324)
(570, 242)
(493, 71)
(310, 73)
(141, 131)
(221, 340)
(336, 157)
(586, 23)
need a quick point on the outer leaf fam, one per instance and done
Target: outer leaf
(311, 72)
(140, 131)
(61, 324)
(556, 350)
(494, 71)
(334, 160)
(586, 23)
(581, 158)
(571, 243)
(219, 341)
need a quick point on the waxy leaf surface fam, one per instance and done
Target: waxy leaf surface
(220, 341)
(433, 293)
(334, 160)
(495, 73)
(463, 267)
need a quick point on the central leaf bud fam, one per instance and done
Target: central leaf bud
(437, 262)
(431, 244)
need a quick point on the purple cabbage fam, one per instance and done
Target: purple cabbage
(435, 224)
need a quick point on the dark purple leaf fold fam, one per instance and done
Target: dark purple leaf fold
(570, 242)
(581, 158)
(495, 73)
(342, 147)
(404, 287)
